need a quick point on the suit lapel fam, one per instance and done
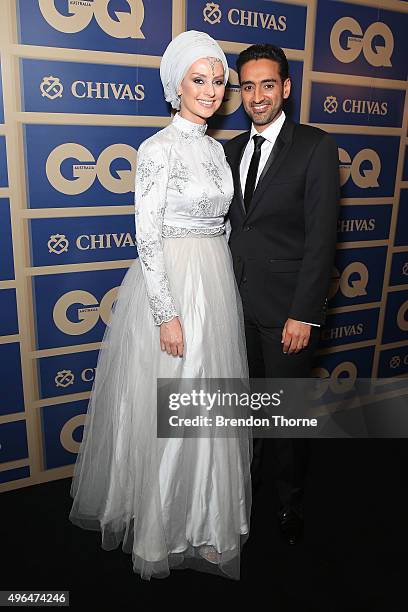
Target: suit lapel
(236, 173)
(274, 161)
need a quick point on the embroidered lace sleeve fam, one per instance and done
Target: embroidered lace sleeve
(150, 202)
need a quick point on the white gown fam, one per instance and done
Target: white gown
(172, 502)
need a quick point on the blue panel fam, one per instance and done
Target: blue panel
(351, 105)
(343, 367)
(399, 269)
(77, 318)
(365, 222)
(361, 360)
(8, 310)
(405, 168)
(393, 362)
(6, 245)
(124, 27)
(361, 275)
(347, 327)
(71, 87)
(396, 317)
(3, 163)
(54, 418)
(256, 21)
(16, 474)
(401, 234)
(64, 374)
(86, 181)
(82, 239)
(368, 41)
(11, 389)
(368, 165)
(13, 441)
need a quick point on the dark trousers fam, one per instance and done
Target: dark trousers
(286, 458)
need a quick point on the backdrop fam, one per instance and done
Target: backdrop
(80, 92)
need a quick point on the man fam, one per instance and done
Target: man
(283, 238)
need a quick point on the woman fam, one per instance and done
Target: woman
(174, 502)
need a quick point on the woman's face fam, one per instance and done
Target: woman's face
(202, 90)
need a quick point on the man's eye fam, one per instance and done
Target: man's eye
(247, 87)
(269, 85)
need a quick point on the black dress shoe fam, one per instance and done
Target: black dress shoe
(291, 525)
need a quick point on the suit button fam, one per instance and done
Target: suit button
(244, 280)
(247, 228)
(238, 258)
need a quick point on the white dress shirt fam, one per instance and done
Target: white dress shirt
(270, 134)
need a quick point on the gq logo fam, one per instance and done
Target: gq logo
(232, 99)
(341, 380)
(128, 25)
(376, 55)
(402, 314)
(87, 317)
(350, 287)
(85, 173)
(352, 167)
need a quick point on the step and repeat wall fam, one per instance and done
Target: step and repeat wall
(80, 90)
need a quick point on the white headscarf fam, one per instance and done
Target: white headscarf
(183, 51)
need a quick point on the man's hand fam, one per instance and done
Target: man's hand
(295, 336)
(171, 337)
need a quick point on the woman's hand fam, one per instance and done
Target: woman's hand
(171, 337)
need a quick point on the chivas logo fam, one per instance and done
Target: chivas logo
(330, 104)
(369, 107)
(51, 88)
(395, 361)
(64, 378)
(80, 13)
(212, 13)
(352, 167)
(58, 243)
(240, 17)
(375, 54)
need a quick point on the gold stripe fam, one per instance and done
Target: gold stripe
(79, 211)
(79, 267)
(89, 119)
(65, 350)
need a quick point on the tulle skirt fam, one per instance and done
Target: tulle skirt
(172, 502)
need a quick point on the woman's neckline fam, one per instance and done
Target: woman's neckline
(194, 130)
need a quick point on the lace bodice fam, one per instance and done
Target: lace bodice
(183, 187)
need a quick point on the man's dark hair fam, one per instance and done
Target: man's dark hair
(264, 51)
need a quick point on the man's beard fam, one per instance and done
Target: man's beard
(266, 118)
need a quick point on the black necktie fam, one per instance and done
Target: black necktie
(253, 171)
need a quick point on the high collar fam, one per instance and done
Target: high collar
(272, 131)
(189, 129)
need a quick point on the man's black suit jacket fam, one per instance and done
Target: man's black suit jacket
(284, 247)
